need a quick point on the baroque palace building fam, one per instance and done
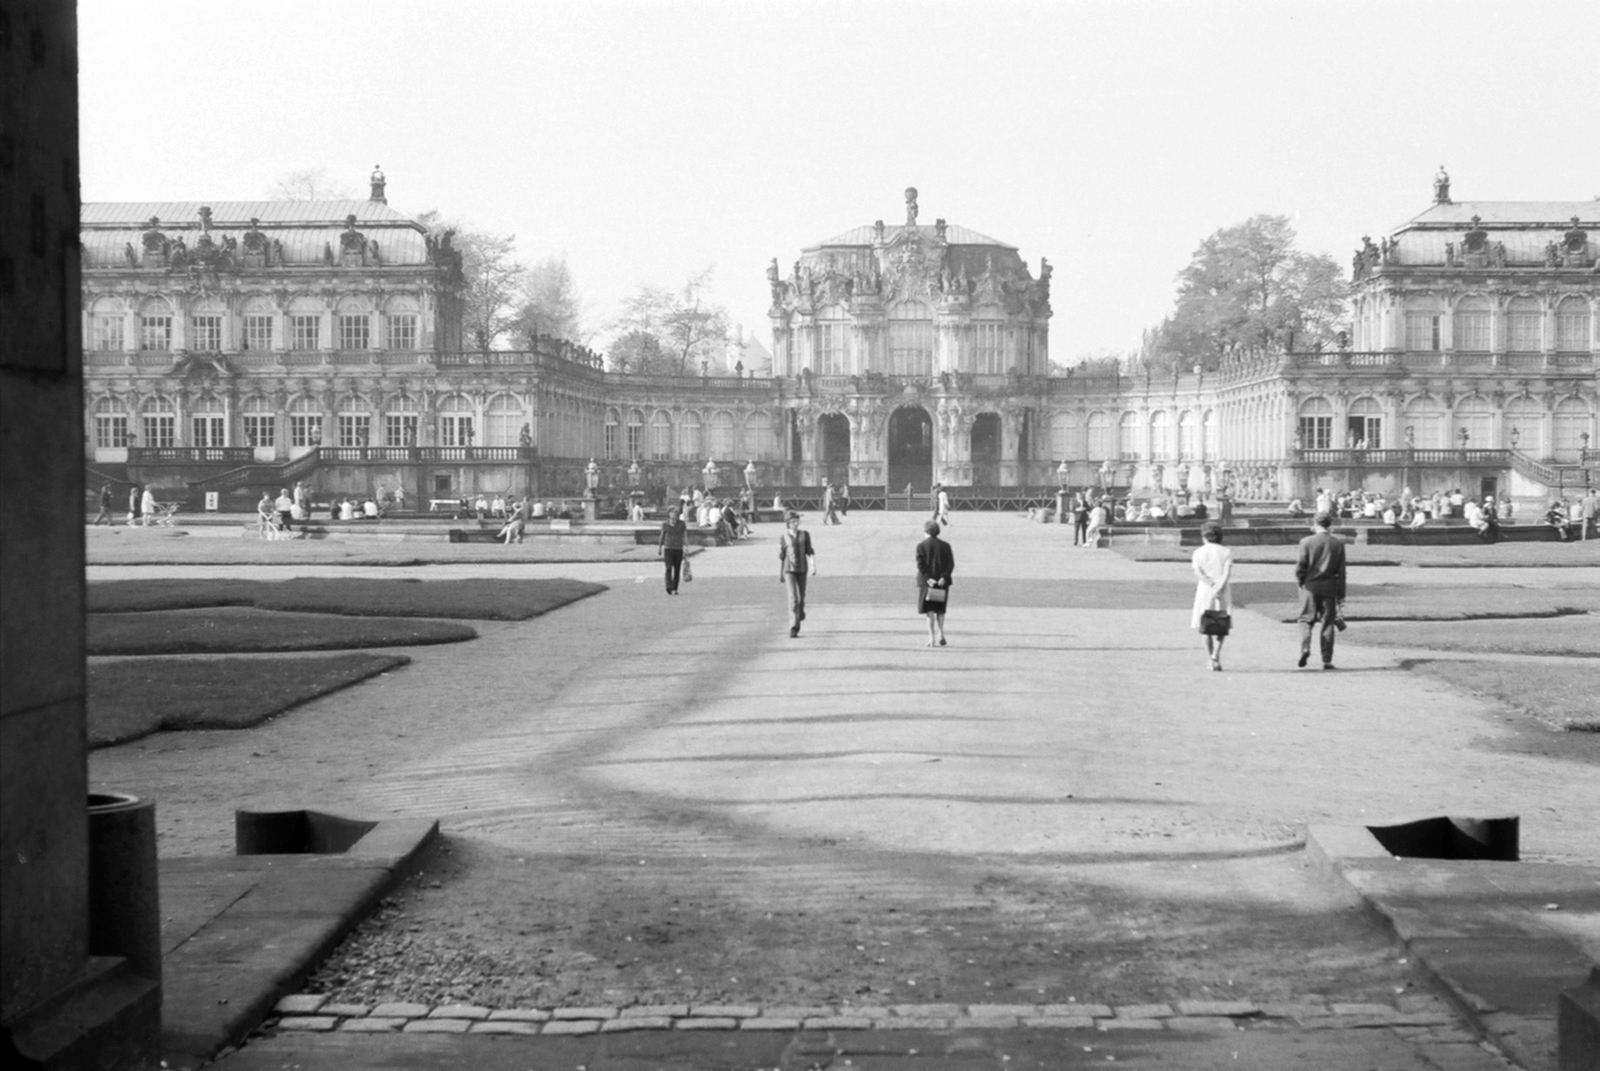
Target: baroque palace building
(236, 347)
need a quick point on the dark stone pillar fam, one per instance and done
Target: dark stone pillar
(60, 1006)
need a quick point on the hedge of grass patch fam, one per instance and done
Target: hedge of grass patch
(484, 599)
(233, 629)
(131, 698)
(1570, 636)
(1562, 699)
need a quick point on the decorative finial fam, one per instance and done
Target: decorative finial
(378, 183)
(911, 206)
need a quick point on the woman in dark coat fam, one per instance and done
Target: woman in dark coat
(935, 562)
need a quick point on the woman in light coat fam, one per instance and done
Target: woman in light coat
(1213, 568)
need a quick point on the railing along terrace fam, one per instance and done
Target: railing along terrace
(190, 455)
(1403, 457)
(1467, 359)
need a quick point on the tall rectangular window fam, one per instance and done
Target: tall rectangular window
(354, 332)
(400, 429)
(205, 334)
(1422, 331)
(833, 348)
(1472, 331)
(107, 332)
(455, 430)
(610, 442)
(155, 333)
(161, 431)
(111, 432)
(354, 429)
(207, 430)
(911, 347)
(1572, 326)
(260, 429)
(401, 332)
(257, 332)
(305, 429)
(305, 332)
(1522, 331)
(1316, 432)
(989, 348)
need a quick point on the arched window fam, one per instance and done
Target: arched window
(721, 445)
(160, 422)
(1572, 420)
(690, 445)
(205, 326)
(635, 433)
(455, 421)
(1572, 325)
(352, 324)
(106, 322)
(1100, 444)
(1524, 423)
(910, 339)
(1472, 325)
(502, 421)
(758, 434)
(353, 421)
(305, 323)
(257, 317)
(1063, 436)
(1160, 435)
(1188, 435)
(1364, 424)
(1128, 447)
(208, 422)
(1209, 432)
(1524, 323)
(110, 424)
(1425, 416)
(260, 422)
(612, 431)
(660, 436)
(155, 327)
(305, 421)
(1474, 416)
(1316, 424)
(1422, 326)
(400, 323)
(400, 420)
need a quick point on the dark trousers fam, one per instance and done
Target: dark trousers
(1080, 529)
(1317, 613)
(673, 557)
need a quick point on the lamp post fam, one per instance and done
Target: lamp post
(1062, 472)
(1516, 437)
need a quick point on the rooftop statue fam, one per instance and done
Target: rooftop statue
(911, 206)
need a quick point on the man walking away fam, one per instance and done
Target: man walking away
(796, 560)
(1320, 573)
(1591, 512)
(105, 505)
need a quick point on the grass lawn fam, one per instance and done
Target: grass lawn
(483, 600)
(235, 629)
(1577, 637)
(1562, 697)
(138, 696)
(1408, 602)
(1496, 556)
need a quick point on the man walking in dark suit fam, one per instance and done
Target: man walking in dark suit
(1320, 574)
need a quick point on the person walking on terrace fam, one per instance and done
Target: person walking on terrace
(935, 563)
(105, 506)
(796, 561)
(1213, 595)
(669, 548)
(1320, 574)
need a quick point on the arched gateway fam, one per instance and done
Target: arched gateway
(833, 438)
(910, 449)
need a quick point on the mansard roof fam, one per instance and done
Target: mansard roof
(1533, 215)
(954, 234)
(303, 228)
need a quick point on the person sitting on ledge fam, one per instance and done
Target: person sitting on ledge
(1556, 517)
(1296, 508)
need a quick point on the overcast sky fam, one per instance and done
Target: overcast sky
(646, 141)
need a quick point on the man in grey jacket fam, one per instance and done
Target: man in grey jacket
(1320, 573)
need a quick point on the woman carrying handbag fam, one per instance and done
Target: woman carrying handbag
(1213, 598)
(935, 564)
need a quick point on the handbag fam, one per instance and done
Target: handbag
(935, 596)
(1215, 622)
(688, 573)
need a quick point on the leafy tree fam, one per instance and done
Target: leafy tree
(691, 331)
(639, 352)
(492, 293)
(1247, 287)
(310, 184)
(551, 306)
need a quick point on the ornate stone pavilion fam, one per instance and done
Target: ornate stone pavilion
(1472, 362)
(232, 347)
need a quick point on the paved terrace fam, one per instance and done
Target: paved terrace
(1070, 733)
